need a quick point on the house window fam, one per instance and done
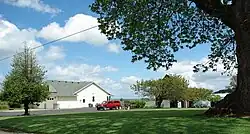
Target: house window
(83, 100)
(93, 99)
(107, 98)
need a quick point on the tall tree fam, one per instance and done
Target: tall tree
(25, 82)
(171, 88)
(154, 30)
(194, 94)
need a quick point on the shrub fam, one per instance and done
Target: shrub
(201, 104)
(3, 103)
(14, 105)
(137, 104)
(3, 106)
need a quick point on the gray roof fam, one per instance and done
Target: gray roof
(68, 88)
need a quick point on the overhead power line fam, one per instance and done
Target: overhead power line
(53, 41)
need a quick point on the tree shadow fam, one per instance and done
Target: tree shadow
(132, 122)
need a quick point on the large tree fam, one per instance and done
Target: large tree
(195, 94)
(154, 30)
(171, 88)
(25, 82)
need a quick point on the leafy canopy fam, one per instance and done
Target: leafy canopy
(214, 98)
(154, 30)
(25, 81)
(171, 87)
(194, 94)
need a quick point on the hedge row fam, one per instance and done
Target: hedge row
(135, 103)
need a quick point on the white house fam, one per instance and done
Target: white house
(68, 94)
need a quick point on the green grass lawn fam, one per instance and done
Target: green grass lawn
(131, 122)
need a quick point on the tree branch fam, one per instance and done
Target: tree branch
(216, 9)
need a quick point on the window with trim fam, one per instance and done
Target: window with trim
(93, 99)
(83, 100)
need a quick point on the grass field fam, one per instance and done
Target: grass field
(131, 122)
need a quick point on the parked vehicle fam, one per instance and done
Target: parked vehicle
(108, 105)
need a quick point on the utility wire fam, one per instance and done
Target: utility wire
(53, 41)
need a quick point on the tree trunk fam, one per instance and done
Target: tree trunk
(158, 102)
(238, 102)
(26, 108)
(26, 105)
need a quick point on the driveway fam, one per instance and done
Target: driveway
(47, 112)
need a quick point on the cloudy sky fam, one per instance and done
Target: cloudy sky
(88, 56)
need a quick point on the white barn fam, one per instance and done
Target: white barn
(69, 94)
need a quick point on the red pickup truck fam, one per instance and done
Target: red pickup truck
(108, 105)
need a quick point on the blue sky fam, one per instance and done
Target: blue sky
(89, 56)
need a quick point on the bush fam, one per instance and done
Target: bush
(14, 105)
(3, 106)
(3, 103)
(137, 104)
(202, 104)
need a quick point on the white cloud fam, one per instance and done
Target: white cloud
(130, 80)
(112, 47)
(73, 25)
(83, 72)
(37, 5)
(210, 79)
(110, 69)
(12, 39)
(55, 53)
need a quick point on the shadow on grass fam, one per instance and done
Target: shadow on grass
(133, 122)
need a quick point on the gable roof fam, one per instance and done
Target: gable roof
(90, 85)
(69, 88)
(66, 88)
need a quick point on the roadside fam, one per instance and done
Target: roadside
(47, 111)
(22, 110)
